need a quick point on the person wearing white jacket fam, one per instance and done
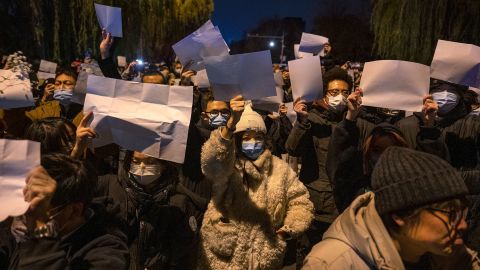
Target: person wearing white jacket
(257, 201)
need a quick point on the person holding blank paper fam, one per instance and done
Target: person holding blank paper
(459, 129)
(65, 228)
(349, 165)
(309, 140)
(258, 202)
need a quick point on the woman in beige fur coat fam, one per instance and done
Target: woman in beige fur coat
(258, 201)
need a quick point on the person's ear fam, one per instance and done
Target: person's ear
(399, 221)
(204, 115)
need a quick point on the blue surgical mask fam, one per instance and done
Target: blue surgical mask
(252, 149)
(217, 120)
(446, 101)
(64, 96)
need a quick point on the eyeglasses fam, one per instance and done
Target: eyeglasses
(57, 83)
(335, 92)
(224, 113)
(55, 211)
(454, 216)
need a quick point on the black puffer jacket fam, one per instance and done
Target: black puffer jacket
(161, 226)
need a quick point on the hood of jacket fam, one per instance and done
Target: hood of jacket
(360, 227)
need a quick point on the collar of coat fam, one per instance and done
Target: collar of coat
(256, 169)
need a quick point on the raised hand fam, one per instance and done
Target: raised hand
(237, 105)
(354, 102)
(429, 111)
(301, 108)
(39, 191)
(83, 133)
(106, 44)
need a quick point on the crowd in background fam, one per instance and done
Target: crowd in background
(343, 186)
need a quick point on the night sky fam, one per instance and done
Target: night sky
(236, 17)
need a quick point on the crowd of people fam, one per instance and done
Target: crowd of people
(343, 186)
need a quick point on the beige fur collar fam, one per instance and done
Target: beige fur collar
(256, 169)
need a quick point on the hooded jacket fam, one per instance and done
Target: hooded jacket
(359, 240)
(252, 200)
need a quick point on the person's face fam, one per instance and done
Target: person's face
(327, 48)
(144, 160)
(253, 136)
(378, 145)
(216, 107)
(63, 81)
(338, 87)
(157, 79)
(87, 60)
(438, 231)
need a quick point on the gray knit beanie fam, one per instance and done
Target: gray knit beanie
(404, 178)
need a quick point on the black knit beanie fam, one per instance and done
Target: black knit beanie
(404, 178)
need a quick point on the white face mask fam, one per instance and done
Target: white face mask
(339, 102)
(147, 174)
(178, 70)
(446, 101)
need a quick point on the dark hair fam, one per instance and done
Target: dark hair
(206, 98)
(381, 130)
(52, 133)
(76, 183)
(66, 71)
(337, 73)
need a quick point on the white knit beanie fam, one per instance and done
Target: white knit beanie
(250, 120)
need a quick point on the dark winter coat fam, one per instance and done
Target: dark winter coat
(97, 244)
(162, 226)
(309, 139)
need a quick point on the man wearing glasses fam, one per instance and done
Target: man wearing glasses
(413, 219)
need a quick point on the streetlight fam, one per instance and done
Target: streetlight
(272, 43)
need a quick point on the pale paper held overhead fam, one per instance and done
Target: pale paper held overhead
(291, 114)
(299, 54)
(249, 75)
(15, 90)
(204, 42)
(278, 78)
(17, 158)
(270, 104)
(122, 61)
(80, 89)
(394, 84)
(201, 79)
(47, 66)
(306, 78)
(311, 43)
(149, 118)
(110, 19)
(44, 75)
(457, 63)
